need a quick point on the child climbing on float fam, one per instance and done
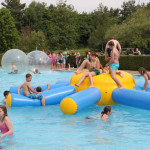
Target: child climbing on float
(114, 64)
(5, 123)
(93, 68)
(146, 75)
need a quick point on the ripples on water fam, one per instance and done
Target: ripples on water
(38, 128)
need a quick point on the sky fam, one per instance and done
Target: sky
(85, 5)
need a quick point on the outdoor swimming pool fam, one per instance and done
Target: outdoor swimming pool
(38, 128)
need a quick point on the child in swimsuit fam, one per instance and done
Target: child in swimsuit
(5, 123)
(146, 75)
(5, 95)
(93, 69)
(29, 91)
(114, 64)
(107, 111)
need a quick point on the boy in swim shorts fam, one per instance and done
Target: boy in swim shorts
(29, 91)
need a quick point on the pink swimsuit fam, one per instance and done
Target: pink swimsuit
(4, 128)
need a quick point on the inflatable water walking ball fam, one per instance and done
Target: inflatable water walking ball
(38, 60)
(14, 61)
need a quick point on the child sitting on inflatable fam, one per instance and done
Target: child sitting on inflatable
(29, 91)
(146, 75)
(93, 68)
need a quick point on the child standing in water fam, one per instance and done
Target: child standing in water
(114, 64)
(5, 123)
(146, 75)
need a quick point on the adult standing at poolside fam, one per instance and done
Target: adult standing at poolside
(65, 53)
(108, 50)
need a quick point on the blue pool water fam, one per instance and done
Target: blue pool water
(38, 128)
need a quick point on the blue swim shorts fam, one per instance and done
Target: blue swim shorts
(114, 66)
(35, 96)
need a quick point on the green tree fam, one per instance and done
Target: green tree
(127, 9)
(60, 25)
(100, 22)
(8, 32)
(84, 24)
(16, 9)
(32, 40)
(33, 15)
(134, 31)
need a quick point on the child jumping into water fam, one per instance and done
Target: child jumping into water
(114, 64)
(29, 91)
(146, 75)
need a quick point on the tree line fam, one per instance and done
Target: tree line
(59, 26)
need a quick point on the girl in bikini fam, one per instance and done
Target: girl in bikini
(114, 64)
(93, 68)
(5, 123)
(146, 75)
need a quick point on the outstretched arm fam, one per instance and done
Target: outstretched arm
(48, 87)
(119, 48)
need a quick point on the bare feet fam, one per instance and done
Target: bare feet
(91, 86)
(77, 72)
(77, 85)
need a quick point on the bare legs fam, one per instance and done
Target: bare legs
(120, 73)
(43, 101)
(113, 75)
(84, 64)
(87, 74)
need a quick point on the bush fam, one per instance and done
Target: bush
(126, 62)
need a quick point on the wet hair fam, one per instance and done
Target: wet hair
(4, 109)
(28, 75)
(106, 110)
(142, 71)
(36, 70)
(38, 89)
(111, 43)
(6, 93)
